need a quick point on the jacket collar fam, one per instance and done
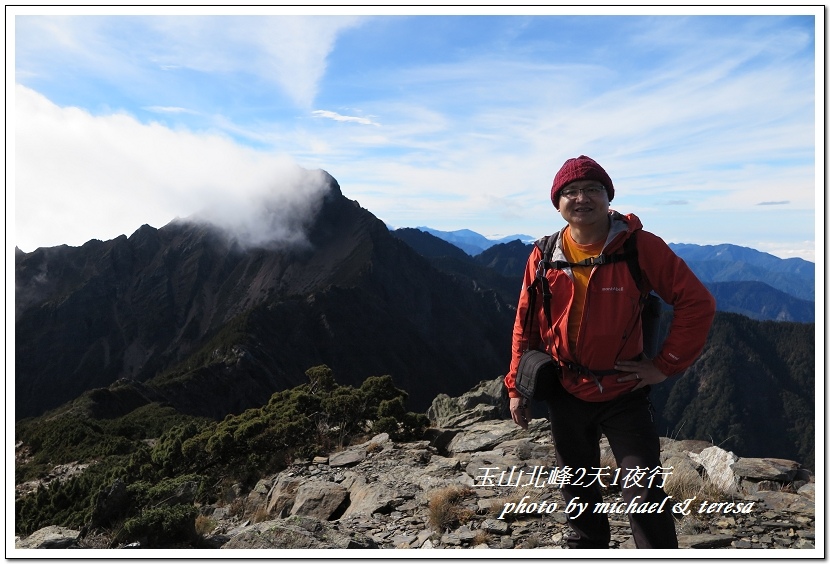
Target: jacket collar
(622, 226)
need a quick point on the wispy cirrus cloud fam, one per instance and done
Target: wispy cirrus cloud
(338, 117)
(287, 54)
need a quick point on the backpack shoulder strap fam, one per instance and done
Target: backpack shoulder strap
(540, 282)
(547, 244)
(632, 257)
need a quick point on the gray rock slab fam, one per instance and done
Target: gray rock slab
(442, 466)
(783, 501)
(296, 532)
(672, 446)
(49, 537)
(486, 435)
(495, 463)
(347, 457)
(495, 526)
(765, 468)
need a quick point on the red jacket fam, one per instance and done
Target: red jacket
(611, 326)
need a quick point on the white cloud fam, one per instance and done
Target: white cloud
(338, 117)
(287, 53)
(80, 177)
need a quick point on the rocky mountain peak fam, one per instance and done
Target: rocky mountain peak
(345, 293)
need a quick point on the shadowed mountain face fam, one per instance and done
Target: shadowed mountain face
(214, 328)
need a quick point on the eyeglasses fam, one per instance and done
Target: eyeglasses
(591, 192)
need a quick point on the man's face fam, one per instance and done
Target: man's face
(583, 203)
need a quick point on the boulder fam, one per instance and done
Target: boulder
(808, 491)
(367, 498)
(486, 400)
(282, 495)
(320, 500)
(718, 466)
(669, 446)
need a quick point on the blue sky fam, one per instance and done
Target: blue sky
(709, 125)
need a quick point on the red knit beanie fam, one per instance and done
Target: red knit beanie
(580, 168)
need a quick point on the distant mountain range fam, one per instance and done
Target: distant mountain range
(471, 242)
(731, 263)
(743, 280)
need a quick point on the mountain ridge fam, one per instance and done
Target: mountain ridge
(471, 242)
(744, 280)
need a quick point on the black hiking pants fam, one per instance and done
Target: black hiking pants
(628, 423)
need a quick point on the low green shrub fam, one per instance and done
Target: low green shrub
(160, 527)
(189, 457)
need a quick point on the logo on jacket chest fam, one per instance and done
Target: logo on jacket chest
(613, 289)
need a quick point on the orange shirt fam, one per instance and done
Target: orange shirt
(575, 252)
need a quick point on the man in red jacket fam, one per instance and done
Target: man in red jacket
(593, 330)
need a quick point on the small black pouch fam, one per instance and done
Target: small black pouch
(536, 374)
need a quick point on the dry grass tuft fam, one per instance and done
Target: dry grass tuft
(260, 515)
(237, 507)
(482, 537)
(445, 510)
(372, 448)
(204, 525)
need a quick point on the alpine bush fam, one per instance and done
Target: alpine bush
(143, 479)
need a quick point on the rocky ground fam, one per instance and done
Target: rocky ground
(451, 491)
